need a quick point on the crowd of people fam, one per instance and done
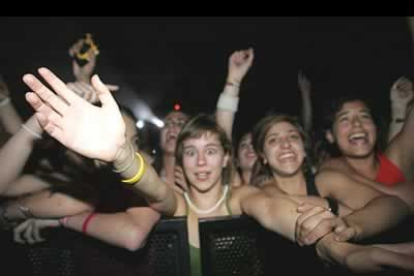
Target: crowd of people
(78, 163)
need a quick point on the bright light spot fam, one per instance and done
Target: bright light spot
(157, 122)
(177, 107)
(140, 124)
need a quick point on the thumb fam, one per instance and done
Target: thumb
(102, 91)
(345, 235)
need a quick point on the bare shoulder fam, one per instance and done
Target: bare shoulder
(328, 180)
(337, 164)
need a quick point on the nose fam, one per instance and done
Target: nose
(356, 121)
(250, 148)
(286, 143)
(201, 159)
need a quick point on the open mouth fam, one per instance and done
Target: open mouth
(358, 138)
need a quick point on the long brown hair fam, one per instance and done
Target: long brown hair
(263, 171)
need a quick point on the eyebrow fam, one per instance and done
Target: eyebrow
(206, 146)
(362, 110)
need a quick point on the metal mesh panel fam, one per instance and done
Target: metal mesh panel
(229, 248)
(68, 253)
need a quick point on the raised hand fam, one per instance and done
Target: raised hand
(83, 73)
(401, 92)
(303, 83)
(86, 91)
(239, 64)
(95, 132)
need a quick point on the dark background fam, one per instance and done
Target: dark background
(164, 60)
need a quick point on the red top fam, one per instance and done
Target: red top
(388, 174)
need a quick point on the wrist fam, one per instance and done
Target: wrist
(123, 156)
(398, 120)
(233, 81)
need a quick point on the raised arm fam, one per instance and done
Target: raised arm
(96, 132)
(305, 89)
(401, 149)
(400, 95)
(227, 104)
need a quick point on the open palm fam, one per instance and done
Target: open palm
(95, 132)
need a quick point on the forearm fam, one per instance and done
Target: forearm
(307, 111)
(158, 194)
(9, 117)
(227, 106)
(45, 205)
(127, 230)
(398, 116)
(379, 215)
(277, 214)
(15, 153)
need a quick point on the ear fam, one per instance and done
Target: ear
(329, 136)
(263, 157)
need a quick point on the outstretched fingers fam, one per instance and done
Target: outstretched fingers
(44, 94)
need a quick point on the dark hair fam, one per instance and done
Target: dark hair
(195, 128)
(329, 115)
(331, 108)
(258, 139)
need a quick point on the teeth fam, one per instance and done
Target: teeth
(203, 175)
(286, 155)
(357, 136)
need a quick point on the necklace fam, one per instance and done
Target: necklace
(210, 210)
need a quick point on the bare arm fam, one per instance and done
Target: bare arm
(239, 64)
(276, 213)
(9, 117)
(96, 132)
(373, 212)
(400, 95)
(401, 149)
(362, 258)
(127, 230)
(15, 153)
(305, 90)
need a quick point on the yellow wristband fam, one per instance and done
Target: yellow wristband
(137, 177)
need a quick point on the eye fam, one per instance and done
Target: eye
(189, 152)
(366, 116)
(295, 136)
(180, 124)
(211, 151)
(271, 141)
(343, 119)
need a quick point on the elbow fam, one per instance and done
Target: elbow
(134, 238)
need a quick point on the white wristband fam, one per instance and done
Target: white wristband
(37, 135)
(4, 102)
(227, 102)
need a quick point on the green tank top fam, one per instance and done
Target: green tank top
(195, 253)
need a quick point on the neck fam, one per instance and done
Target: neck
(246, 176)
(208, 202)
(292, 184)
(367, 166)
